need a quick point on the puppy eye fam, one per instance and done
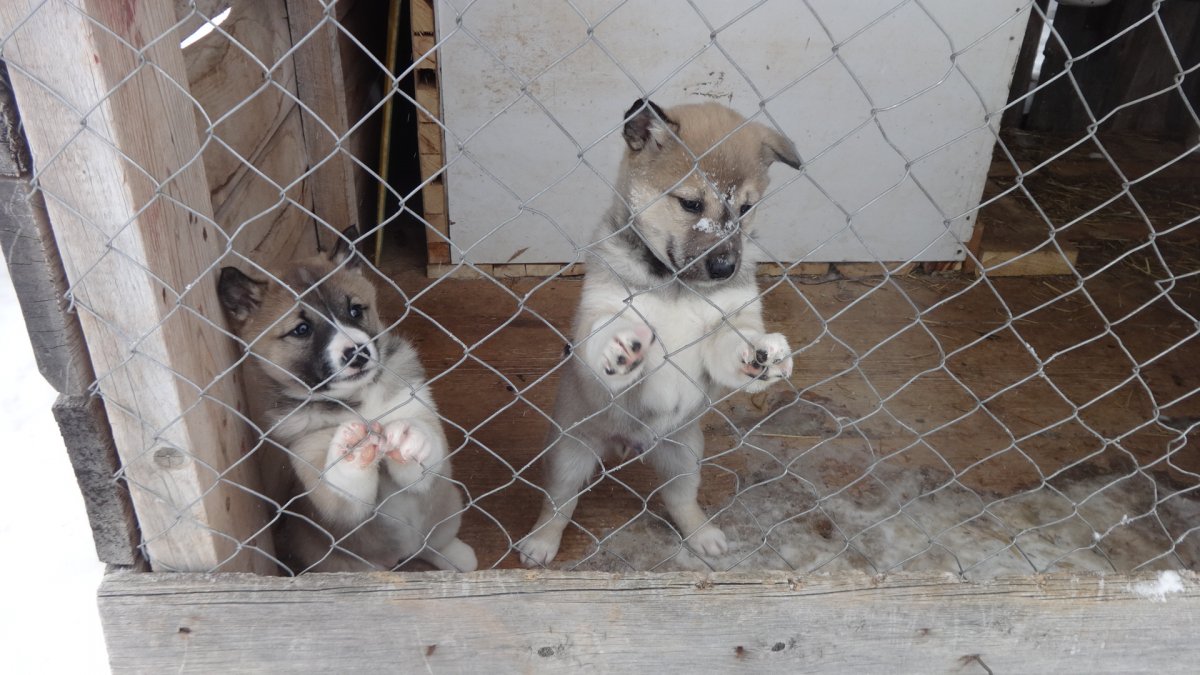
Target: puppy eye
(745, 209)
(357, 311)
(691, 205)
(302, 329)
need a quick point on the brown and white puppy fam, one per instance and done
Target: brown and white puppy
(369, 484)
(670, 318)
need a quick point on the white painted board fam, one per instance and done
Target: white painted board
(891, 123)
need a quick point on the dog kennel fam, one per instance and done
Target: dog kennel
(985, 458)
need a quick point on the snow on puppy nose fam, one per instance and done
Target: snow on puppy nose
(709, 226)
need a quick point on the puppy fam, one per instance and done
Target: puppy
(670, 317)
(369, 483)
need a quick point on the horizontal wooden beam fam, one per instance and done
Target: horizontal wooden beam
(504, 621)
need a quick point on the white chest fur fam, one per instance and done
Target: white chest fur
(676, 383)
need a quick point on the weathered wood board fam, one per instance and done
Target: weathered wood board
(321, 88)
(549, 621)
(254, 145)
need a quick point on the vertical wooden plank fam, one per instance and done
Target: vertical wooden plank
(321, 88)
(255, 146)
(89, 442)
(361, 75)
(111, 128)
(430, 138)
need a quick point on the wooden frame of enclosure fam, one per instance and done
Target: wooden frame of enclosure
(485, 620)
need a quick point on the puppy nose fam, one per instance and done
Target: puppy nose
(720, 266)
(355, 357)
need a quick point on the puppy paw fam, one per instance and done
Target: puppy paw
(356, 444)
(626, 350)
(454, 556)
(539, 548)
(406, 443)
(709, 540)
(766, 359)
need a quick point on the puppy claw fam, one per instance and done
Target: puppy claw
(767, 359)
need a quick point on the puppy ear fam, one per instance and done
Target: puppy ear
(344, 249)
(645, 122)
(240, 295)
(778, 148)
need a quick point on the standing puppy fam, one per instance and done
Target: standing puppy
(369, 484)
(670, 317)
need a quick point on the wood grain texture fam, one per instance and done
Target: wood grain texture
(38, 277)
(430, 135)
(547, 621)
(36, 270)
(321, 88)
(89, 442)
(1025, 263)
(133, 229)
(254, 151)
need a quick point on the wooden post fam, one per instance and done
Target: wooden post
(111, 127)
(321, 89)
(430, 138)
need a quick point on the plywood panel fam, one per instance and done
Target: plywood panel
(528, 92)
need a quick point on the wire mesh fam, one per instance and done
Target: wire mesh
(927, 417)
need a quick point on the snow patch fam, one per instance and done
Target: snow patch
(1168, 582)
(49, 620)
(707, 226)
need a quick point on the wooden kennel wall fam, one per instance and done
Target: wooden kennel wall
(243, 618)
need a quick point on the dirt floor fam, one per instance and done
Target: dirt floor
(947, 421)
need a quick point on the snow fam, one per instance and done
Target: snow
(48, 617)
(707, 226)
(1168, 582)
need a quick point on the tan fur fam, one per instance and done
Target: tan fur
(670, 318)
(729, 149)
(280, 310)
(355, 454)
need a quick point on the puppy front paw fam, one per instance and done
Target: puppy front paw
(709, 540)
(406, 443)
(626, 350)
(539, 548)
(356, 444)
(766, 359)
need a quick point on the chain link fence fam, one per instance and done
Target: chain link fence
(967, 415)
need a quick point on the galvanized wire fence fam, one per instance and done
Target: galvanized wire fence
(917, 416)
